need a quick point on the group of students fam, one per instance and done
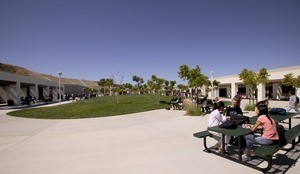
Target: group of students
(217, 117)
(265, 122)
(206, 104)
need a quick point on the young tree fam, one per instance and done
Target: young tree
(128, 87)
(87, 91)
(172, 84)
(169, 86)
(215, 85)
(139, 81)
(155, 84)
(252, 79)
(182, 87)
(263, 76)
(119, 87)
(194, 76)
(106, 84)
(290, 80)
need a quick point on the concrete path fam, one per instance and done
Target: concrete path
(154, 142)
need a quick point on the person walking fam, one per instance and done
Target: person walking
(293, 104)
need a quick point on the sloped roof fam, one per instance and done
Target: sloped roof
(25, 72)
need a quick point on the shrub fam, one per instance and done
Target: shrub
(192, 110)
(249, 107)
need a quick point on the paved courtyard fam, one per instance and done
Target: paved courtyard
(154, 142)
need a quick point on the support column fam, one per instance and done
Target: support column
(277, 91)
(274, 91)
(248, 92)
(36, 89)
(46, 92)
(18, 89)
(228, 92)
(14, 93)
(4, 94)
(234, 89)
(298, 92)
(217, 94)
(261, 92)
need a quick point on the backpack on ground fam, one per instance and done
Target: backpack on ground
(277, 111)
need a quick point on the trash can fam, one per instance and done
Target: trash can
(10, 102)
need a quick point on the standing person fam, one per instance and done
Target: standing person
(293, 102)
(215, 119)
(204, 103)
(269, 135)
(215, 101)
(238, 97)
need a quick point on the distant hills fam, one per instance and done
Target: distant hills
(25, 72)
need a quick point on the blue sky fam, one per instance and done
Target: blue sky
(94, 39)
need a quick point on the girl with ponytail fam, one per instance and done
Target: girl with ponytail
(269, 135)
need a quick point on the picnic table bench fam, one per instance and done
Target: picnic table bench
(264, 152)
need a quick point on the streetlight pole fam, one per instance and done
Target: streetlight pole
(59, 76)
(212, 85)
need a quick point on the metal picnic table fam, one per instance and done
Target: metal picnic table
(277, 118)
(237, 132)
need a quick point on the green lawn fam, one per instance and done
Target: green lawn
(97, 107)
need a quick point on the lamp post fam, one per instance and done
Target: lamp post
(59, 76)
(212, 85)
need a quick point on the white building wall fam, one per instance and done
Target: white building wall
(15, 90)
(276, 75)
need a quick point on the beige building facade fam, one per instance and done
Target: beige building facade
(13, 87)
(230, 85)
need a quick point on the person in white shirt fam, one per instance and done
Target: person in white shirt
(216, 118)
(293, 103)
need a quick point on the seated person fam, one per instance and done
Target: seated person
(175, 102)
(215, 119)
(269, 135)
(261, 105)
(235, 109)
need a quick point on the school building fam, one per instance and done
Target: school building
(230, 85)
(13, 87)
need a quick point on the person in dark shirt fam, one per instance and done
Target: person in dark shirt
(238, 97)
(235, 109)
(231, 111)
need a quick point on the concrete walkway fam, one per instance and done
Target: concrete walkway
(154, 142)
